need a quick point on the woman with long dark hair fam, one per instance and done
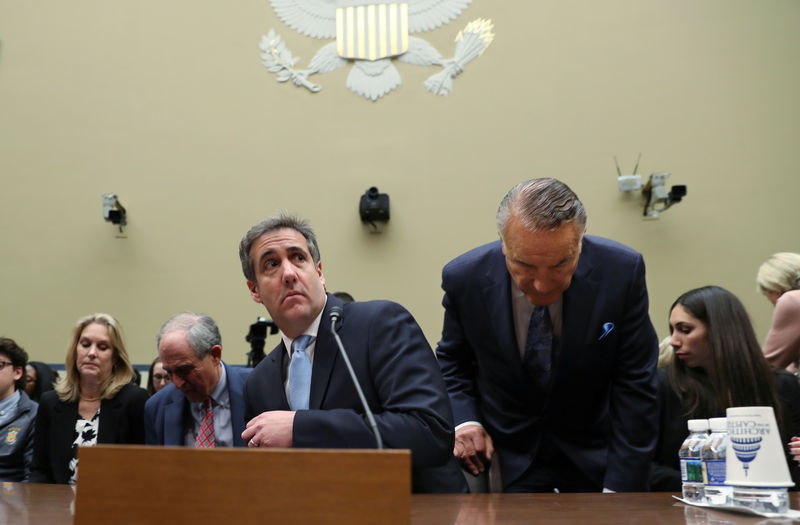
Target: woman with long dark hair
(717, 364)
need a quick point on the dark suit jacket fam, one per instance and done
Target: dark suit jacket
(397, 371)
(121, 422)
(666, 475)
(601, 408)
(167, 412)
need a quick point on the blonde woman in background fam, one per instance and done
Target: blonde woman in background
(94, 403)
(779, 280)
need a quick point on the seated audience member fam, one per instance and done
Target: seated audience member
(301, 394)
(136, 379)
(94, 404)
(157, 378)
(717, 364)
(39, 378)
(17, 414)
(203, 406)
(779, 280)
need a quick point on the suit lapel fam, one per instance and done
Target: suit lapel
(109, 417)
(498, 312)
(578, 305)
(274, 384)
(325, 354)
(175, 412)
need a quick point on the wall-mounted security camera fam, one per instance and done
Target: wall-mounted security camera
(374, 207)
(657, 198)
(114, 211)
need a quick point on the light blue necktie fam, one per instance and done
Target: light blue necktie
(300, 374)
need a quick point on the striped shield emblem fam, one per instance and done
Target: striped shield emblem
(372, 31)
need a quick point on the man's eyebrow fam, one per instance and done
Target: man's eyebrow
(298, 249)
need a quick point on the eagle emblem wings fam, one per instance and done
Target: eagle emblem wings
(370, 35)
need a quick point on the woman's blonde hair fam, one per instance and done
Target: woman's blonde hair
(780, 273)
(69, 388)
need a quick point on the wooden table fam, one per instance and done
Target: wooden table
(39, 504)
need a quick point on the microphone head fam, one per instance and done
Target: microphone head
(335, 313)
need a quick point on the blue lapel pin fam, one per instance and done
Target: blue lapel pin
(607, 328)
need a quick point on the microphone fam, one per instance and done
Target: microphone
(336, 314)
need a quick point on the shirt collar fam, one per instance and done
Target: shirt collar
(312, 329)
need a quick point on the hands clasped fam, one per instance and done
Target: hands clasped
(270, 429)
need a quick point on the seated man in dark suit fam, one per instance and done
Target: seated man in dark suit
(301, 395)
(203, 405)
(548, 351)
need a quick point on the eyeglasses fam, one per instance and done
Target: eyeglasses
(161, 377)
(4, 364)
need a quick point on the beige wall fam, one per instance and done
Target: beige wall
(167, 105)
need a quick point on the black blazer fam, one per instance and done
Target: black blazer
(121, 422)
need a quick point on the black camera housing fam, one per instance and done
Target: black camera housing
(374, 206)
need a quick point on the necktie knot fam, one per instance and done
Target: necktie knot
(301, 343)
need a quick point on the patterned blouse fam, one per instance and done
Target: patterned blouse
(85, 436)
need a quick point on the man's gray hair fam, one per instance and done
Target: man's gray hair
(201, 331)
(278, 222)
(542, 205)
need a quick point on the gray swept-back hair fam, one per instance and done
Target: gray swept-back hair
(202, 332)
(278, 222)
(542, 205)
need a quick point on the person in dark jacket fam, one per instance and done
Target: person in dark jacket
(39, 378)
(17, 414)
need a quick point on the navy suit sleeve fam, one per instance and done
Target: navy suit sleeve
(455, 356)
(401, 381)
(633, 402)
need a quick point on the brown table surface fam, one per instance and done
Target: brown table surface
(40, 504)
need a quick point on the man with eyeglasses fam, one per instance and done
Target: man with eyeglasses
(203, 406)
(17, 414)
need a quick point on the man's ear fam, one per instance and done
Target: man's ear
(319, 272)
(253, 287)
(216, 353)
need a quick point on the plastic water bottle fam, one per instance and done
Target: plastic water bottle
(714, 452)
(691, 458)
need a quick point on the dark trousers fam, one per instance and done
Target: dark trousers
(552, 471)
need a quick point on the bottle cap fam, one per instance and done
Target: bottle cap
(718, 424)
(758, 459)
(698, 425)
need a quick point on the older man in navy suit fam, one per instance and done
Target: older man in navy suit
(203, 406)
(548, 351)
(301, 395)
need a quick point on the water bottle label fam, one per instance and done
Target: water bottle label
(715, 471)
(692, 470)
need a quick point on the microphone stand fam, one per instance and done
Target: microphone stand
(335, 314)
